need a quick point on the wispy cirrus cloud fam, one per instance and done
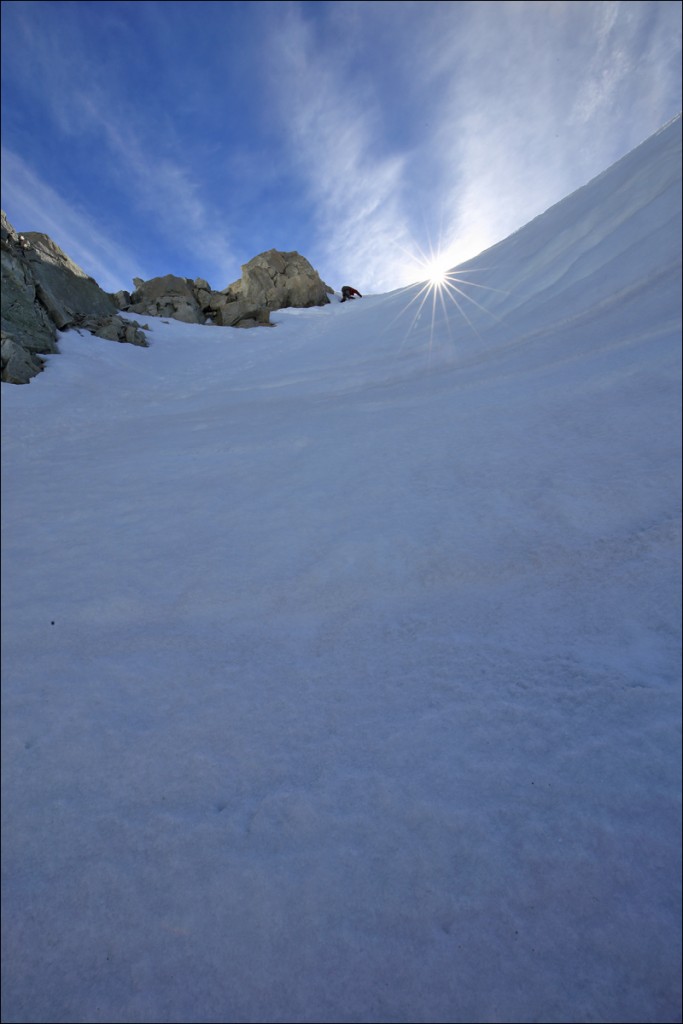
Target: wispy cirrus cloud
(503, 110)
(365, 134)
(332, 128)
(165, 189)
(546, 97)
(135, 159)
(75, 230)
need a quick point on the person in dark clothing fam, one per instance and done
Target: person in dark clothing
(349, 293)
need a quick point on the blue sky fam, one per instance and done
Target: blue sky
(185, 138)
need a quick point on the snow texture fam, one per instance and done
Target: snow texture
(342, 658)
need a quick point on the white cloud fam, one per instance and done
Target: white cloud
(400, 127)
(141, 159)
(168, 191)
(524, 104)
(539, 101)
(332, 129)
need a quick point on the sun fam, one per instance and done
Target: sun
(445, 284)
(437, 271)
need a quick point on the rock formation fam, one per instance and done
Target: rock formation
(271, 280)
(168, 296)
(27, 329)
(193, 302)
(62, 288)
(43, 291)
(276, 280)
(113, 328)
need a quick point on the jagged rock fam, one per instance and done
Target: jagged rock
(169, 296)
(114, 328)
(26, 326)
(237, 314)
(276, 280)
(193, 302)
(63, 289)
(19, 364)
(202, 292)
(122, 300)
(44, 291)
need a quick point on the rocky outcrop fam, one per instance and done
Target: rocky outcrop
(43, 291)
(62, 288)
(226, 313)
(193, 302)
(166, 296)
(27, 330)
(277, 280)
(114, 328)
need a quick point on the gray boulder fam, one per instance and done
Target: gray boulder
(122, 300)
(19, 364)
(114, 328)
(168, 296)
(238, 314)
(277, 280)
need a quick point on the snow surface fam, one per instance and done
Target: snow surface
(342, 659)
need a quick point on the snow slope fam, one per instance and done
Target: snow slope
(341, 660)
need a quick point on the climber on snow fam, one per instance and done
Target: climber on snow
(349, 293)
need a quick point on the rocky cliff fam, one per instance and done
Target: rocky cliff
(44, 292)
